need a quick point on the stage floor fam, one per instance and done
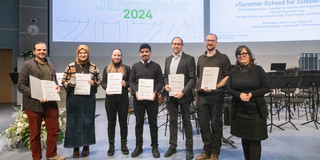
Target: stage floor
(281, 145)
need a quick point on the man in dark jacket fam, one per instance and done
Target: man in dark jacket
(183, 64)
(37, 110)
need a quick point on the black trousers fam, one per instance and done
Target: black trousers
(251, 149)
(117, 104)
(152, 112)
(173, 106)
(210, 119)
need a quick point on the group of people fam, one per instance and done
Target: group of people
(246, 82)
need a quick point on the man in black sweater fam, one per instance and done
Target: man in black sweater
(146, 69)
(210, 101)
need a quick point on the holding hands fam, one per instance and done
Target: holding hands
(245, 97)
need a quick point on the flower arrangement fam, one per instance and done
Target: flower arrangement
(18, 132)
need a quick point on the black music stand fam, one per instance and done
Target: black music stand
(291, 82)
(312, 81)
(278, 66)
(275, 82)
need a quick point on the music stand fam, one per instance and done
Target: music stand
(314, 82)
(278, 66)
(291, 82)
(275, 82)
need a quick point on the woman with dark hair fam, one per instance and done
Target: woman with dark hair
(117, 103)
(80, 129)
(247, 84)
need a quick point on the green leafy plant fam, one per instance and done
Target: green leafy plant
(27, 54)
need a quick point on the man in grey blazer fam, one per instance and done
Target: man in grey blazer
(180, 63)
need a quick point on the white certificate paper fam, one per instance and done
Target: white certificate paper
(145, 89)
(210, 77)
(176, 83)
(43, 89)
(114, 83)
(82, 85)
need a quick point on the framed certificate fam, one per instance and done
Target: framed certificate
(176, 83)
(82, 85)
(145, 89)
(114, 83)
(210, 77)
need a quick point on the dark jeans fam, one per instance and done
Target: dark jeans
(251, 149)
(173, 106)
(210, 115)
(51, 118)
(117, 104)
(152, 111)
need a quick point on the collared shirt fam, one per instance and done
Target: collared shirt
(147, 61)
(174, 63)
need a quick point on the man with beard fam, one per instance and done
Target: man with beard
(37, 110)
(210, 101)
(180, 63)
(146, 69)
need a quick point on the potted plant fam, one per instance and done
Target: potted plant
(27, 54)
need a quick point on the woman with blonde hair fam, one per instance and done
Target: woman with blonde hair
(117, 103)
(80, 129)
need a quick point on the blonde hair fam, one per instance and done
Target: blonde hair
(112, 68)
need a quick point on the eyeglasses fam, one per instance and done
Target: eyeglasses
(176, 44)
(242, 54)
(212, 41)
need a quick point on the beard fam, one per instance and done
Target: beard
(210, 49)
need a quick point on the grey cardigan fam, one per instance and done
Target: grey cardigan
(30, 67)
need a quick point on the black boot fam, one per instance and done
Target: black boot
(85, 151)
(124, 148)
(76, 153)
(111, 149)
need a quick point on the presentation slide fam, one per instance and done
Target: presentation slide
(269, 20)
(127, 21)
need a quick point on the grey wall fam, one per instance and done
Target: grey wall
(9, 31)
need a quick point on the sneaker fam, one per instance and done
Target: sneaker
(57, 157)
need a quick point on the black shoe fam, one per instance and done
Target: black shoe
(137, 151)
(111, 149)
(170, 152)
(155, 152)
(124, 149)
(189, 154)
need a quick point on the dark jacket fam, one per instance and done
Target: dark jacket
(30, 67)
(187, 67)
(125, 78)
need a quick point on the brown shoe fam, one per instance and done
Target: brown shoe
(214, 157)
(85, 151)
(57, 157)
(203, 156)
(76, 153)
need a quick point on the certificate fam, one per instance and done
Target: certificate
(82, 85)
(43, 89)
(114, 83)
(210, 77)
(176, 83)
(145, 89)
(59, 78)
